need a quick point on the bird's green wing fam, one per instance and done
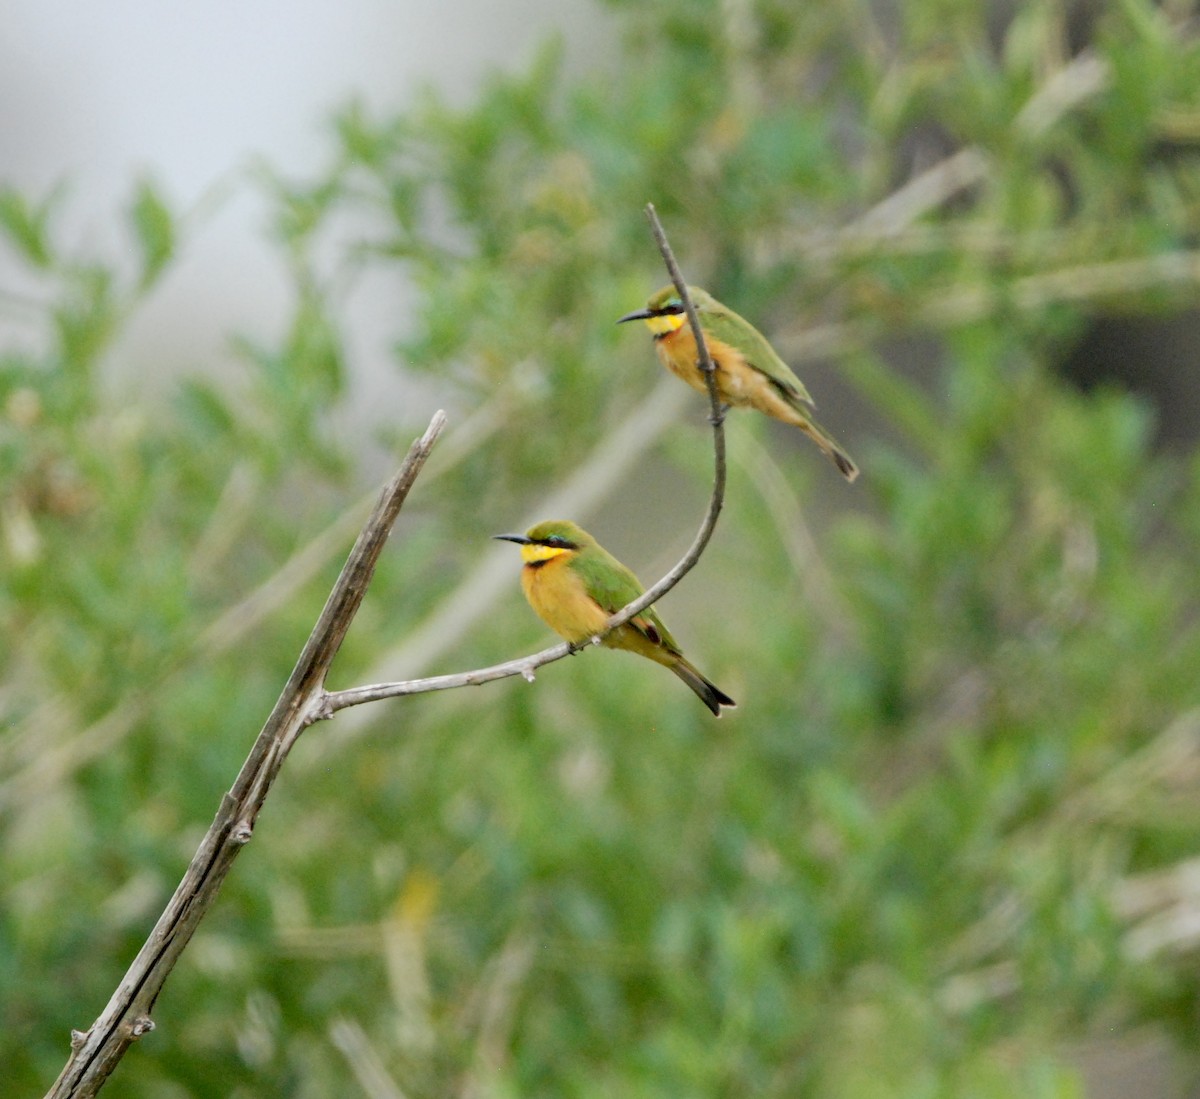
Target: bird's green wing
(728, 327)
(612, 585)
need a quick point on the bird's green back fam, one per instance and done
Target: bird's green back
(729, 327)
(612, 585)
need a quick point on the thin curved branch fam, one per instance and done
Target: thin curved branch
(332, 701)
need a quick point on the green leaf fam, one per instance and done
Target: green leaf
(155, 230)
(26, 226)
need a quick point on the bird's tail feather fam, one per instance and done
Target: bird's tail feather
(709, 693)
(830, 449)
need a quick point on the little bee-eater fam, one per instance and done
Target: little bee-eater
(748, 372)
(575, 585)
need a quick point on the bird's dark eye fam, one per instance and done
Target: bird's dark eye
(674, 306)
(557, 540)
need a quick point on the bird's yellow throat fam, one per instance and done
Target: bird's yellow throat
(534, 553)
(667, 322)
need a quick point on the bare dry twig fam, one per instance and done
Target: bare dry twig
(96, 1052)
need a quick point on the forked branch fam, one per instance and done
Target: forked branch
(96, 1052)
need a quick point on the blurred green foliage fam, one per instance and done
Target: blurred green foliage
(945, 841)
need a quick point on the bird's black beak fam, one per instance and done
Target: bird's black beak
(636, 315)
(520, 539)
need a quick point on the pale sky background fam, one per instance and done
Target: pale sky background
(98, 94)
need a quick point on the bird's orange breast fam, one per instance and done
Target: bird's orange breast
(557, 594)
(677, 352)
(737, 381)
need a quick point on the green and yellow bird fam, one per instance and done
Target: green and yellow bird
(749, 373)
(575, 585)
